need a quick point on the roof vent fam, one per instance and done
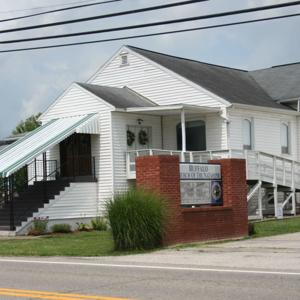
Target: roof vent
(124, 59)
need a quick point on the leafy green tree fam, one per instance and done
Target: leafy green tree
(29, 124)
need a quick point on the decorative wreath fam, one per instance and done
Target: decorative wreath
(143, 137)
(130, 137)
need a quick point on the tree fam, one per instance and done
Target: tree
(29, 124)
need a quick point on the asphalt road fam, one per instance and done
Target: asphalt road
(228, 271)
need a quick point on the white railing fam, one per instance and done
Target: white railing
(260, 166)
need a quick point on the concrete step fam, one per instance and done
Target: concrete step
(7, 233)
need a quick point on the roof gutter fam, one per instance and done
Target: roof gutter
(266, 109)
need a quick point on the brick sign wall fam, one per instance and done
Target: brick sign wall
(161, 174)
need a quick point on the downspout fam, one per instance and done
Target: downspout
(224, 116)
(297, 129)
(162, 131)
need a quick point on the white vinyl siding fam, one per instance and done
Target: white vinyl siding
(216, 132)
(152, 82)
(119, 129)
(266, 131)
(79, 200)
(75, 101)
(104, 170)
(54, 154)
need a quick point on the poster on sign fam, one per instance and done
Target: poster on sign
(200, 184)
(195, 192)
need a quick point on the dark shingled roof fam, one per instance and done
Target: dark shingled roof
(118, 97)
(233, 85)
(280, 82)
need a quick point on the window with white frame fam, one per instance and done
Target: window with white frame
(285, 138)
(247, 134)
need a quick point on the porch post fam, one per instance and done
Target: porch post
(275, 201)
(183, 133)
(260, 211)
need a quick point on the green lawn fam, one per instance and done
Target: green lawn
(97, 243)
(93, 243)
(275, 227)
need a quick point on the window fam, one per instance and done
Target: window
(285, 143)
(247, 134)
(195, 136)
(124, 59)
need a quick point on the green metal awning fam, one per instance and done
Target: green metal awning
(23, 151)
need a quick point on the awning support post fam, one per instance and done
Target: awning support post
(11, 203)
(45, 176)
(44, 166)
(35, 170)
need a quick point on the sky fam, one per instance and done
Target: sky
(30, 81)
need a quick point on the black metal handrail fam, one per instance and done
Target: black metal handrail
(53, 169)
(38, 168)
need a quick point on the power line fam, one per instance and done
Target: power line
(145, 25)
(58, 10)
(117, 14)
(42, 7)
(151, 34)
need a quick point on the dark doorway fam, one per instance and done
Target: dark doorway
(195, 136)
(75, 156)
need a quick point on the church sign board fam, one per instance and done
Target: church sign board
(200, 184)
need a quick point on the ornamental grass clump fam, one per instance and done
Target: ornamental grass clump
(137, 220)
(39, 226)
(99, 224)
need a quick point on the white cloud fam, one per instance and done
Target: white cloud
(30, 81)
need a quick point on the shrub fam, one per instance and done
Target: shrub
(137, 219)
(39, 226)
(61, 228)
(99, 224)
(83, 227)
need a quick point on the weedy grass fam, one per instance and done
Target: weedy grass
(275, 227)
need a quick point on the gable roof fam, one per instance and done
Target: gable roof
(233, 85)
(117, 97)
(280, 82)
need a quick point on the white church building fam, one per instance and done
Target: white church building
(142, 102)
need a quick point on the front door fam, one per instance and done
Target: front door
(75, 156)
(195, 136)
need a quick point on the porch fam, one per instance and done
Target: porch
(273, 181)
